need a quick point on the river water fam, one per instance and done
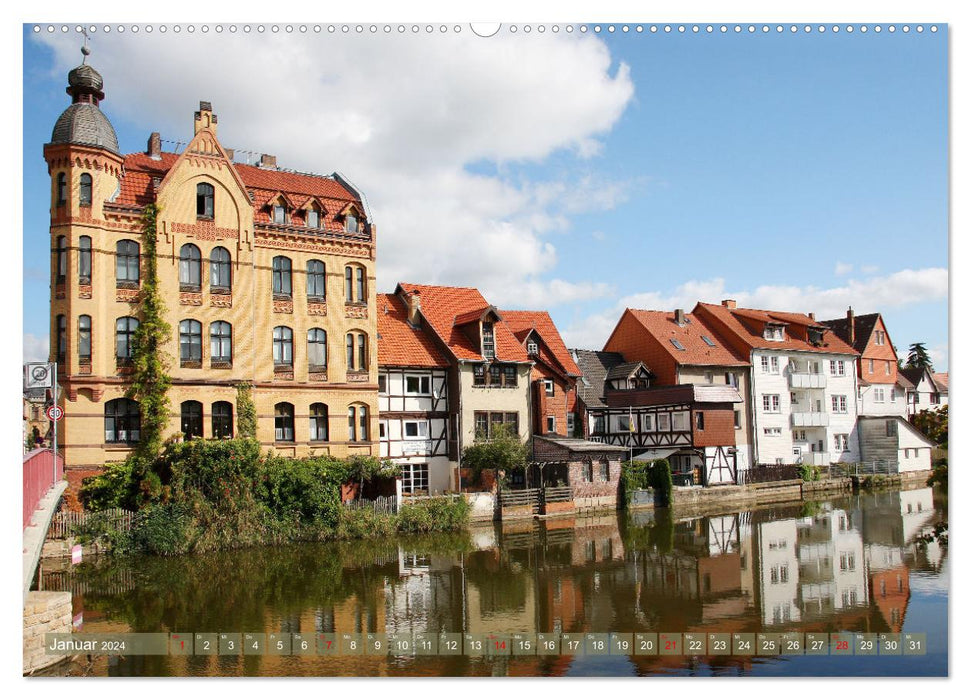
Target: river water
(850, 564)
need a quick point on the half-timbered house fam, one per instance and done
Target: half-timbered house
(690, 425)
(412, 399)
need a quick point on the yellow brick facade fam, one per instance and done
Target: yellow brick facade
(251, 308)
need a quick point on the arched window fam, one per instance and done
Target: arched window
(357, 355)
(61, 338)
(190, 268)
(220, 270)
(317, 349)
(190, 342)
(222, 420)
(283, 422)
(84, 259)
(316, 281)
(84, 339)
(125, 328)
(61, 189)
(355, 284)
(84, 193)
(319, 429)
(122, 421)
(282, 346)
(357, 423)
(220, 342)
(282, 269)
(61, 258)
(191, 419)
(126, 263)
(205, 200)
(350, 222)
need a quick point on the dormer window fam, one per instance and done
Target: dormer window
(815, 336)
(350, 222)
(279, 214)
(773, 332)
(313, 218)
(205, 200)
(488, 340)
(532, 347)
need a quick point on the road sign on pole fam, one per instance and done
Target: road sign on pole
(55, 412)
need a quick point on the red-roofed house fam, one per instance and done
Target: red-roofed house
(268, 277)
(488, 368)
(681, 349)
(554, 373)
(803, 388)
(412, 397)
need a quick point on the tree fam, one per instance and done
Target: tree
(503, 452)
(932, 424)
(149, 379)
(918, 358)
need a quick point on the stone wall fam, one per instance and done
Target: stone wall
(482, 504)
(45, 612)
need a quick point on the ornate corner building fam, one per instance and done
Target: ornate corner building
(268, 277)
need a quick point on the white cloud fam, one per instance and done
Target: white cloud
(939, 357)
(843, 268)
(35, 348)
(868, 269)
(900, 289)
(404, 118)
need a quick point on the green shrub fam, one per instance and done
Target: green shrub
(115, 487)
(809, 472)
(938, 476)
(434, 515)
(505, 451)
(161, 529)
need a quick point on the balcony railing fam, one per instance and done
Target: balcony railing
(810, 419)
(805, 380)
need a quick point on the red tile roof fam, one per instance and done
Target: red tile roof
(263, 184)
(662, 325)
(523, 323)
(941, 380)
(399, 343)
(440, 306)
(745, 326)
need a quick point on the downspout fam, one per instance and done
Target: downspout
(752, 407)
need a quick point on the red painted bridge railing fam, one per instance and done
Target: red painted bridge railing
(39, 477)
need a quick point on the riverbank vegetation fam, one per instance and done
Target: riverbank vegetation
(636, 475)
(209, 495)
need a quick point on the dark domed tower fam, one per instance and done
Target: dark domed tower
(85, 167)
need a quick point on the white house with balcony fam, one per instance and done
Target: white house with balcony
(803, 384)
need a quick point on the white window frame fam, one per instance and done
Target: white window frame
(551, 424)
(409, 472)
(839, 403)
(549, 387)
(424, 385)
(419, 424)
(771, 403)
(879, 394)
(765, 364)
(837, 368)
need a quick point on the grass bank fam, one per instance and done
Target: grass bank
(212, 495)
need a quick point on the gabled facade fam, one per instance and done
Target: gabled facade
(804, 383)
(928, 391)
(554, 374)
(690, 425)
(882, 390)
(488, 368)
(257, 289)
(681, 349)
(413, 398)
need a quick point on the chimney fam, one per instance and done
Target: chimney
(812, 316)
(729, 303)
(205, 119)
(155, 146)
(414, 308)
(679, 316)
(268, 162)
(851, 322)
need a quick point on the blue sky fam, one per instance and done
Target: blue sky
(801, 172)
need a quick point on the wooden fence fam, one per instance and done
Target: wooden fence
(557, 494)
(762, 473)
(66, 523)
(386, 505)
